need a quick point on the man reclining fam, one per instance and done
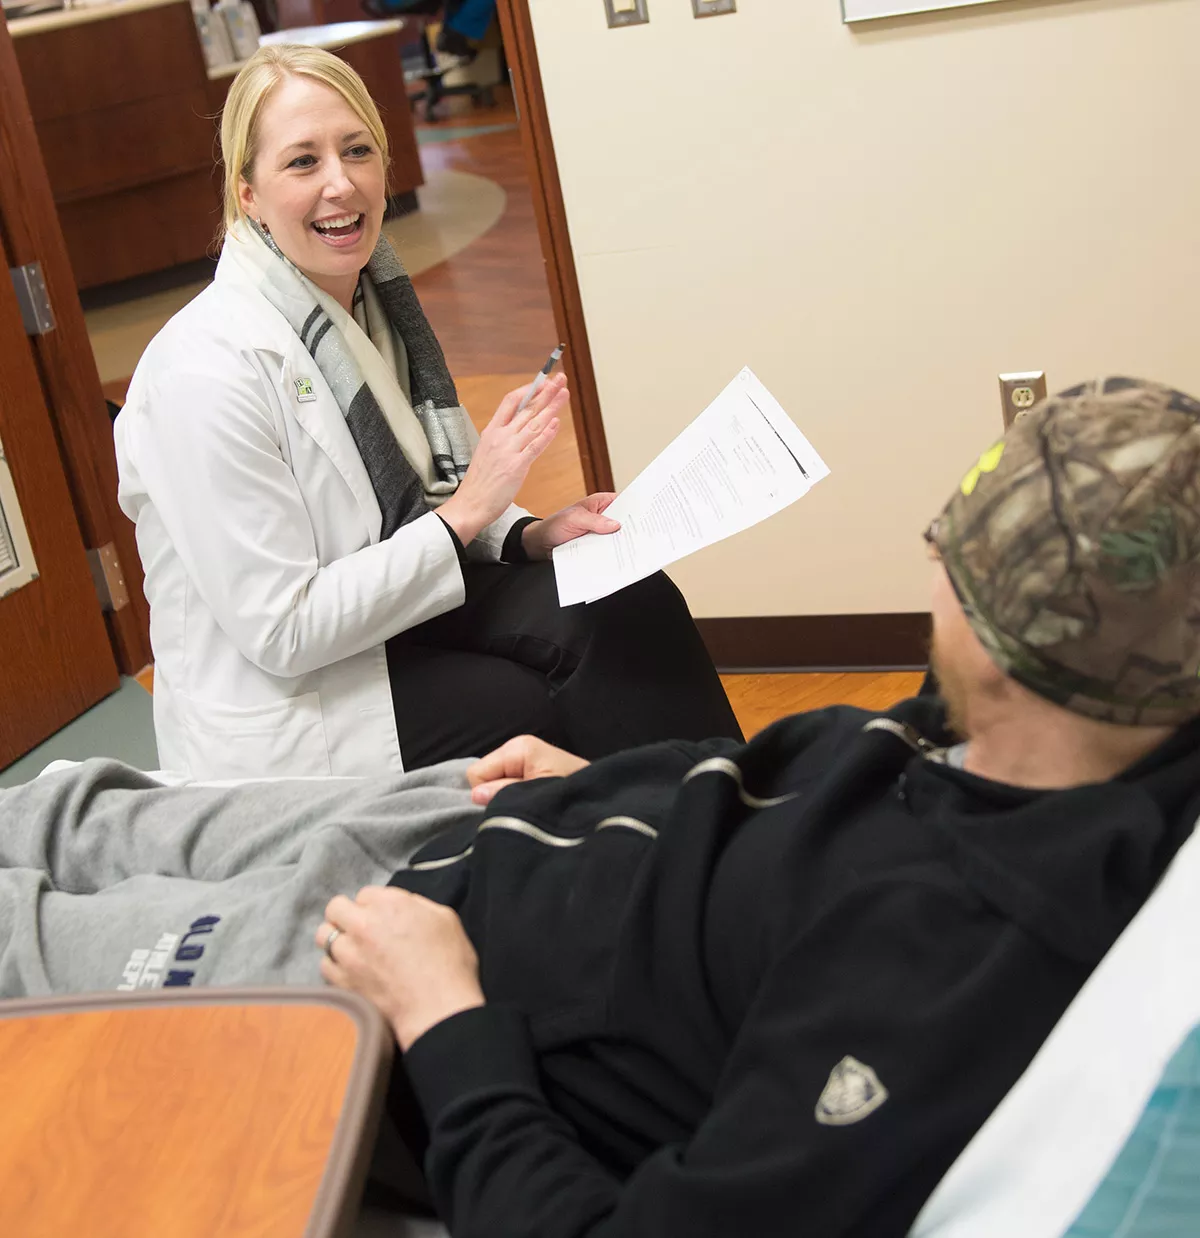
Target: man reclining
(693, 989)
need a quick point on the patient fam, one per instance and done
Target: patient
(710, 988)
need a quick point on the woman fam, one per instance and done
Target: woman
(330, 549)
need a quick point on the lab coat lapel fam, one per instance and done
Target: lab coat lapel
(313, 405)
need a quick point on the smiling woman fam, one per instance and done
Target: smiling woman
(338, 579)
(318, 153)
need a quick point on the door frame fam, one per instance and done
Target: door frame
(520, 47)
(31, 232)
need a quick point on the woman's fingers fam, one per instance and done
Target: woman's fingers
(536, 425)
(551, 389)
(507, 413)
(537, 445)
(507, 449)
(508, 407)
(594, 522)
(548, 402)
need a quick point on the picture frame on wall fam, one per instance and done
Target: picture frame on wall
(869, 10)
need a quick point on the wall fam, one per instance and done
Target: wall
(878, 220)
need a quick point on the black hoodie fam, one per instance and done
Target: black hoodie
(769, 989)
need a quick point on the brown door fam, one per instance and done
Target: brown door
(30, 231)
(55, 656)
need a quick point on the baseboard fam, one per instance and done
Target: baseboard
(818, 642)
(103, 295)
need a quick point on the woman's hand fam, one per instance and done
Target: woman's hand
(586, 516)
(406, 954)
(519, 760)
(507, 448)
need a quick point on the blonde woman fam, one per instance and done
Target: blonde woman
(338, 579)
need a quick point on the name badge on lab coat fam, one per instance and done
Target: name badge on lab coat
(304, 390)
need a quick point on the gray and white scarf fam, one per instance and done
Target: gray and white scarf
(416, 445)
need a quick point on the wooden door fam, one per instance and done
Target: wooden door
(30, 231)
(55, 656)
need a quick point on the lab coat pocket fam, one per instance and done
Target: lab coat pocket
(280, 739)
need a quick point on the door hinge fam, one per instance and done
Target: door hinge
(32, 297)
(108, 577)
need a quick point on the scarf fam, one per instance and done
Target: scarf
(416, 444)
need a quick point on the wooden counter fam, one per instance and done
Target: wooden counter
(125, 109)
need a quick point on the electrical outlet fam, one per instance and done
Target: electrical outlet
(713, 8)
(1020, 392)
(626, 12)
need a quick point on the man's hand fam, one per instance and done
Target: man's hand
(519, 760)
(406, 954)
(586, 516)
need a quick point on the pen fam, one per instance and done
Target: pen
(544, 373)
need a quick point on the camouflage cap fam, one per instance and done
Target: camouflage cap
(1074, 547)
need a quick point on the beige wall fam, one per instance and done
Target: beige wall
(878, 221)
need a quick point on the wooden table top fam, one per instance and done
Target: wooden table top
(215, 1113)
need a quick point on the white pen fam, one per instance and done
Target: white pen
(544, 373)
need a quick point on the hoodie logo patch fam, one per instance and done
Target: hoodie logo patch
(852, 1093)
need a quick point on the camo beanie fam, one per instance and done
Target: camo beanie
(1074, 548)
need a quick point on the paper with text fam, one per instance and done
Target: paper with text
(739, 462)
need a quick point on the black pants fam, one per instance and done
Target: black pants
(630, 669)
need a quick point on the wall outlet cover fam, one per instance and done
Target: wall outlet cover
(1020, 392)
(626, 12)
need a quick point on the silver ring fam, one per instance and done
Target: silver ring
(334, 934)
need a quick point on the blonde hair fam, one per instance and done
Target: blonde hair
(269, 66)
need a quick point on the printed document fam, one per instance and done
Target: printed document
(739, 462)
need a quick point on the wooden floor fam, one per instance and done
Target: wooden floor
(490, 308)
(489, 304)
(759, 700)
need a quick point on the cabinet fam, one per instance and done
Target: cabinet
(125, 112)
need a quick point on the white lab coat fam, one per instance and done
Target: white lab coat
(270, 592)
